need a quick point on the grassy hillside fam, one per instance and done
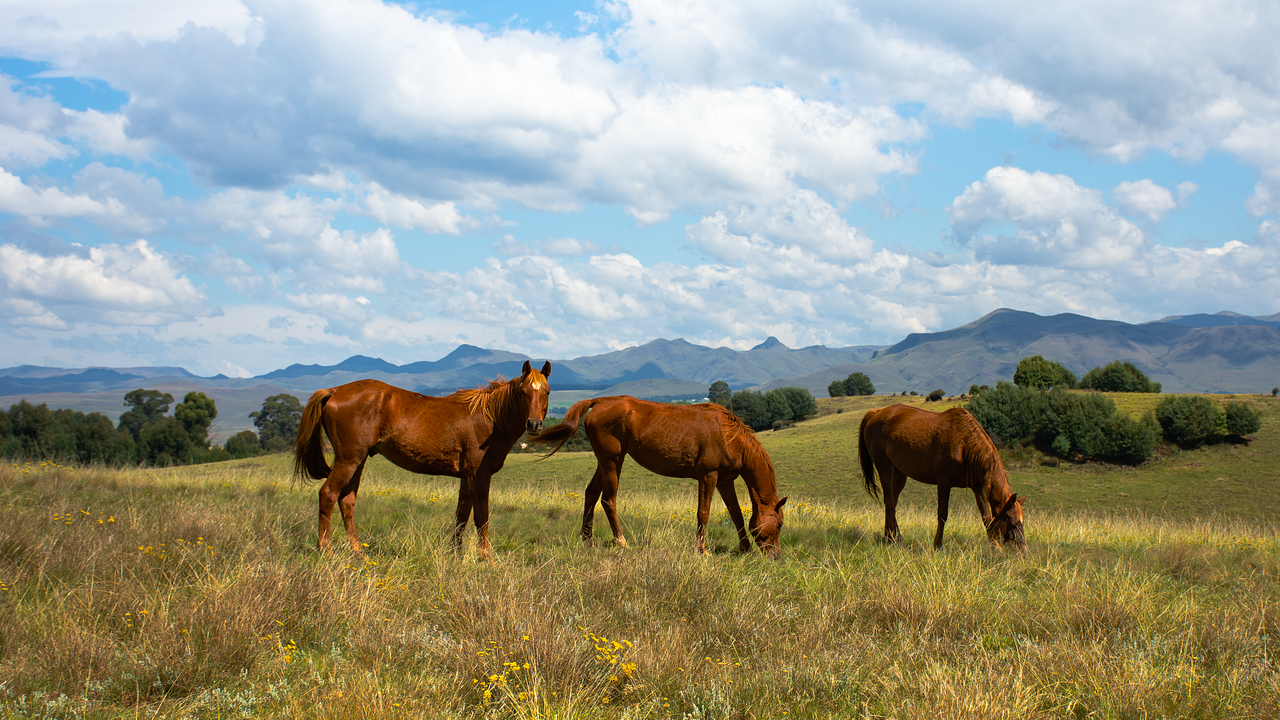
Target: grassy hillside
(196, 592)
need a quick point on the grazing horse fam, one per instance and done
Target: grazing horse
(704, 442)
(466, 435)
(948, 449)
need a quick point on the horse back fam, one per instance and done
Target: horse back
(924, 445)
(670, 440)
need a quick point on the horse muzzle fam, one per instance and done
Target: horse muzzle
(533, 427)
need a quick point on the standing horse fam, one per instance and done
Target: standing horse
(948, 449)
(466, 435)
(704, 442)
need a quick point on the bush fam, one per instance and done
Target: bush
(856, 384)
(750, 407)
(935, 396)
(1242, 420)
(1037, 372)
(1064, 423)
(1191, 420)
(1119, 377)
(836, 389)
(242, 445)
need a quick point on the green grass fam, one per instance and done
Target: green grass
(196, 592)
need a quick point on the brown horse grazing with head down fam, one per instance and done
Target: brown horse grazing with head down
(466, 435)
(704, 442)
(948, 449)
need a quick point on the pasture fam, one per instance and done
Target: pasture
(1148, 592)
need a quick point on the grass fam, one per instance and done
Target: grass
(196, 592)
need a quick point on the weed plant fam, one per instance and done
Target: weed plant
(197, 592)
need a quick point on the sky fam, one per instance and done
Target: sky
(233, 187)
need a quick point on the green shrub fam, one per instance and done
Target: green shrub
(836, 389)
(1119, 377)
(1242, 420)
(1191, 420)
(936, 395)
(858, 383)
(1064, 423)
(1037, 372)
(750, 407)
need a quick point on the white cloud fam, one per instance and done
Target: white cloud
(112, 284)
(1055, 222)
(400, 211)
(1144, 197)
(36, 204)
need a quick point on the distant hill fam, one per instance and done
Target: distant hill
(1221, 353)
(1225, 358)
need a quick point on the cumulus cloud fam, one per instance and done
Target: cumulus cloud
(36, 204)
(112, 284)
(1145, 198)
(1042, 219)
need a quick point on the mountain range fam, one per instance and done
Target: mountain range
(1220, 353)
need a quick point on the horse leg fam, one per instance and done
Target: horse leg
(944, 501)
(480, 503)
(609, 486)
(591, 496)
(347, 504)
(892, 482)
(333, 488)
(729, 494)
(463, 512)
(706, 488)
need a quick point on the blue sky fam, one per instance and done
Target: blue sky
(236, 186)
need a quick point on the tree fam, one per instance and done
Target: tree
(719, 393)
(936, 395)
(243, 444)
(836, 389)
(802, 403)
(1119, 377)
(858, 384)
(751, 409)
(145, 407)
(277, 421)
(165, 442)
(1036, 372)
(196, 413)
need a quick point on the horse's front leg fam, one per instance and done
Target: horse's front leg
(729, 493)
(480, 507)
(609, 472)
(706, 488)
(463, 512)
(944, 501)
(591, 496)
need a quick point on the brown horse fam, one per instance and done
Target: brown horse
(704, 442)
(466, 435)
(948, 449)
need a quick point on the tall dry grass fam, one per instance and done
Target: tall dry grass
(197, 593)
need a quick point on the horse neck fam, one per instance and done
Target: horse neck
(996, 483)
(759, 476)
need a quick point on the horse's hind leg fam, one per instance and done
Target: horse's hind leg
(347, 504)
(591, 496)
(334, 490)
(729, 494)
(892, 483)
(706, 488)
(944, 501)
(609, 472)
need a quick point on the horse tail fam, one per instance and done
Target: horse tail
(558, 435)
(864, 454)
(308, 449)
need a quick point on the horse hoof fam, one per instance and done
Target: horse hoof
(620, 542)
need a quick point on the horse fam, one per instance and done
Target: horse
(704, 442)
(948, 449)
(466, 435)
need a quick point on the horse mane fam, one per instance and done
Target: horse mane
(981, 456)
(732, 428)
(490, 401)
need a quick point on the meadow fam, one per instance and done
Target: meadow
(1148, 592)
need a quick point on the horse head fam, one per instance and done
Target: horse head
(535, 393)
(1005, 527)
(766, 528)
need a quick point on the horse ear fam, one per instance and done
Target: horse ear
(1008, 504)
(526, 369)
(546, 369)
(781, 502)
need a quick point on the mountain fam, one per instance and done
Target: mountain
(1225, 358)
(1220, 319)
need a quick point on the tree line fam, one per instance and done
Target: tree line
(146, 434)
